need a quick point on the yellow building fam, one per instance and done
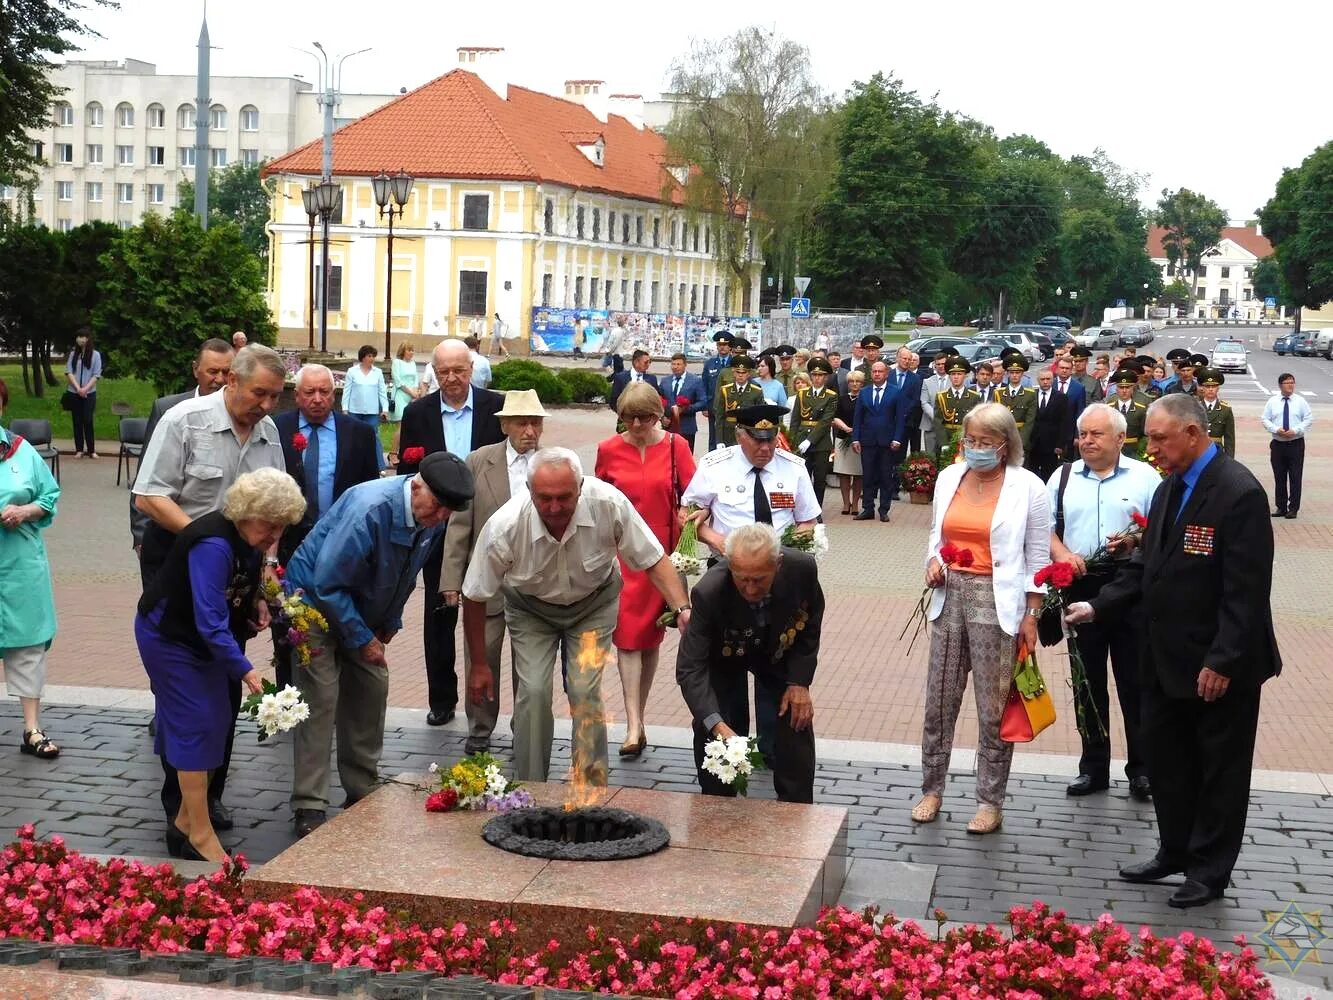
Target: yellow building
(521, 200)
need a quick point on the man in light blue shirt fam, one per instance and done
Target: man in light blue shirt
(1287, 417)
(357, 567)
(481, 366)
(1095, 500)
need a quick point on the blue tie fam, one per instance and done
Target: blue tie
(310, 462)
(1286, 413)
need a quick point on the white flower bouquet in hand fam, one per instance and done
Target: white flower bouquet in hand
(686, 557)
(276, 711)
(812, 540)
(732, 760)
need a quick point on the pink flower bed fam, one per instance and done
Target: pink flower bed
(52, 894)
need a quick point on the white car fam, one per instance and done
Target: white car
(1097, 338)
(904, 316)
(1229, 356)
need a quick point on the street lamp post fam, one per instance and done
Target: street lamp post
(312, 212)
(391, 194)
(327, 197)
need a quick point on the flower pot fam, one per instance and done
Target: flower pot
(919, 497)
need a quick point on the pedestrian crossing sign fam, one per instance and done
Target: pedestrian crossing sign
(800, 308)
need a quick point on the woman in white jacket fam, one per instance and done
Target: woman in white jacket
(998, 514)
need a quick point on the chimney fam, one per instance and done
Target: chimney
(629, 107)
(589, 94)
(491, 64)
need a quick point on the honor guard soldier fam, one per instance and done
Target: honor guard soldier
(1187, 369)
(785, 354)
(953, 403)
(740, 348)
(713, 368)
(870, 344)
(1080, 355)
(811, 431)
(733, 395)
(1021, 399)
(1146, 392)
(1221, 417)
(1131, 407)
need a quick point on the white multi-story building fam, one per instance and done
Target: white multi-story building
(1226, 274)
(121, 137)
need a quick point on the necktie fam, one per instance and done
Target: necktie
(763, 513)
(675, 388)
(1043, 399)
(1173, 502)
(1064, 386)
(310, 464)
(1286, 413)
(879, 394)
(1124, 408)
(900, 379)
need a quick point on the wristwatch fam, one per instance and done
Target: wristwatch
(1033, 612)
(271, 561)
(683, 607)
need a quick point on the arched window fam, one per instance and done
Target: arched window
(124, 115)
(185, 116)
(157, 116)
(249, 118)
(217, 118)
(93, 114)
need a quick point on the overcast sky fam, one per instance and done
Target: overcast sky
(1216, 96)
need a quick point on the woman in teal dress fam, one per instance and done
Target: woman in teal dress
(28, 495)
(406, 383)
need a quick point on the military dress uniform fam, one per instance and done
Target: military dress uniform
(785, 375)
(812, 420)
(1221, 417)
(952, 405)
(1022, 404)
(712, 372)
(1134, 412)
(730, 398)
(740, 348)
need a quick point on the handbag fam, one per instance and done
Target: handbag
(67, 401)
(1029, 708)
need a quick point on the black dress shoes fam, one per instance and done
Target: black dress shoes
(1279, 513)
(308, 820)
(1291, 516)
(884, 516)
(865, 515)
(440, 718)
(219, 815)
(1086, 784)
(1193, 893)
(1153, 870)
(1139, 789)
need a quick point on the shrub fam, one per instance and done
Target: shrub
(585, 386)
(520, 374)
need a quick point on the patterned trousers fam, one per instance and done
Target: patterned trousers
(968, 637)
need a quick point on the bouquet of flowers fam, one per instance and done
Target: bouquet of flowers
(289, 607)
(476, 783)
(918, 474)
(1143, 456)
(732, 760)
(806, 540)
(412, 456)
(276, 711)
(686, 557)
(950, 555)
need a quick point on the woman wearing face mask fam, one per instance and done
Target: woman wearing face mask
(991, 508)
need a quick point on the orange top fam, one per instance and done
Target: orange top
(967, 524)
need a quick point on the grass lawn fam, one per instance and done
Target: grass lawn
(138, 394)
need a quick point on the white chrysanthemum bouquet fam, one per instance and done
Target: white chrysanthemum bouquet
(276, 711)
(686, 558)
(732, 760)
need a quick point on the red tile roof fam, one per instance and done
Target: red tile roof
(457, 127)
(1243, 236)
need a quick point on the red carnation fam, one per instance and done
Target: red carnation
(1139, 519)
(964, 558)
(413, 456)
(682, 401)
(949, 553)
(1041, 576)
(442, 801)
(1062, 575)
(299, 442)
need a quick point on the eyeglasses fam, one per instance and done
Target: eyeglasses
(456, 370)
(640, 418)
(971, 442)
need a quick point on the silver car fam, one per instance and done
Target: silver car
(1229, 356)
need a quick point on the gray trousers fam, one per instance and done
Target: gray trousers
(348, 694)
(536, 629)
(481, 718)
(25, 670)
(967, 638)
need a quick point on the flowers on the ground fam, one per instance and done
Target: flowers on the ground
(732, 760)
(413, 455)
(299, 442)
(918, 474)
(812, 539)
(476, 782)
(294, 617)
(276, 711)
(52, 894)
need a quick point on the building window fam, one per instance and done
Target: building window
(125, 193)
(64, 152)
(638, 231)
(705, 311)
(694, 299)
(250, 157)
(578, 292)
(593, 289)
(93, 115)
(125, 156)
(718, 306)
(124, 116)
(675, 232)
(472, 293)
(1202, 271)
(696, 237)
(596, 229)
(624, 228)
(638, 294)
(64, 225)
(157, 116)
(249, 118)
(157, 194)
(476, 215)
(185, 116)
(64, 113)
(578, 222)
(1203, 294)
(94, 152)
(606, 294)
(680, 297)
(611, 227)
(94, 189)
(547, 280)
(624, 293)
(217, 118)
(657, 233)
(64, 190)
(1249, 293)
(217, 157)
(157, 156)
(186, 154)
(653, 295)
(548, 218)
(1226, 272)
(1249, 273)
(335, 292)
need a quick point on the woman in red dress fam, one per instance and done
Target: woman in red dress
(652, 468)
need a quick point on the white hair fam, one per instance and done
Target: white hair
(555, 456)
(1183, 407)
(1118, 423)
(313, 369)
(756, 539)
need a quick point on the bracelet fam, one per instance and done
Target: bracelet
(1033, 612)
(270, 561)
(683, 607)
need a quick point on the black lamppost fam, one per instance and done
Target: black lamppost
(308, 200)
(328, 197)
(391, 194)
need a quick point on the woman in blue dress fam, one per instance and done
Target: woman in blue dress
(365, 396)
(768, 381)
(194, 616)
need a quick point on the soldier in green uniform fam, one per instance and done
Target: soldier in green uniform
(1130, 406)
(953, 403)
(1221, 417)
(1021, 399)
(811, 431)
(871, 344)
(1080, 355)
(740, 347)
(732, 396)
(786, 369)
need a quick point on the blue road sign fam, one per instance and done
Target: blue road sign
(800, 308)
(1270, 302)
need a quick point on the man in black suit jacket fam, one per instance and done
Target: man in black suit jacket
(759, 611)
(456, 402)
(638, 372)
(1204, 570)
(1050, 436)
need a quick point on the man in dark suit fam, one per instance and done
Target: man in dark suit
(638, 372)
(1050, 433)
(878, 424)
(904, 378)
(457, 418)
(681, 384)
(333, 456)
(1204, 571)
(1077, 398)
(758, 611)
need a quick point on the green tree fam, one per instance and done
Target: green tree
(1193, 225)
(237, 194)
(169, 285)
(30, 272)
(31, 32)
(903, 183)
(1268, 281)
(80, 279)
(1298, 220)
(1091, 247)
(1176, 294)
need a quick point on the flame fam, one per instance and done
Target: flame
(587, 775)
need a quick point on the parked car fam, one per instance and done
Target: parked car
(1306, 344)
(1285, 344)
(902, 316)
(1064, 322)
(1135, 335)
(975, 351)
(1229, 356)
(928, 347)
(1021, 339)
(930, 319)
(1097, 338)
(1060, 337)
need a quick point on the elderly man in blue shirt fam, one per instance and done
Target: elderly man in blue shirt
(358, 567)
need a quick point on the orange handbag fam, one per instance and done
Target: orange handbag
(1029, 708)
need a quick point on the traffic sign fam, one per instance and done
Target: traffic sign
(800, 308)
(1270, 302)
(802, 283)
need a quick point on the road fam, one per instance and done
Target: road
(1314, 376)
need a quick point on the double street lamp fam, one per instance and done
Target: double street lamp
(391, 194)
(323, 200)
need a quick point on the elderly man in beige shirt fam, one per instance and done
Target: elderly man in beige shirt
(552, 554)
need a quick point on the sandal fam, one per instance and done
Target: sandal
(42, 747)
(987, 820)
(926, 809)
